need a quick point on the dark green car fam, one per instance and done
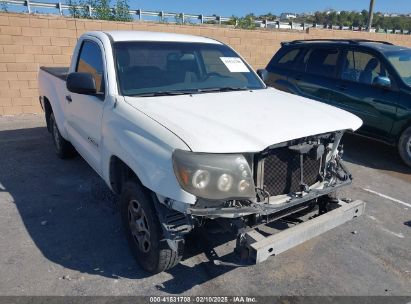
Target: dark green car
(371, 79)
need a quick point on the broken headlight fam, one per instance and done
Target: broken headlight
(214, 176)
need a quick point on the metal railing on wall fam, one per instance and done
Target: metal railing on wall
(145, 15)
(138, 14)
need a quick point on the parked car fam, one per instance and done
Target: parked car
(185, 131)
(371, 79)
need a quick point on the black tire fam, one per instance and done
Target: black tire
(143, 230)
(404, 146)
(63, 148)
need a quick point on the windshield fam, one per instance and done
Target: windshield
(401, 60)
(168, 68)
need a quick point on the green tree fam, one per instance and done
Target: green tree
(102, 10)
(233, 20)
(80, 8)
(269, 17)
(246, 22)
(74, 9)
(122, 11)
(319, 18)
(332, 18)
(3, 7)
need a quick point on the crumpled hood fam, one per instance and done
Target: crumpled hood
(243, 121)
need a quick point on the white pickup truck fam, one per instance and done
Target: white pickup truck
(186, 133)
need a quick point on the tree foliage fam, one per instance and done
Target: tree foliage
(330, 17)
(247, 22)
(3, 7)
(358, 19)
(122, 11)
(101, 10)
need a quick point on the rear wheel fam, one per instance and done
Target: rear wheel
(63, 148)
(404, 146)
(143, 230)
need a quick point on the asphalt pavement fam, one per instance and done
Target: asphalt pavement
(60, 233)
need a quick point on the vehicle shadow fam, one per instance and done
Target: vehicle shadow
(370, 153)
(73, 219)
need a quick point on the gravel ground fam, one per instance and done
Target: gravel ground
(61, 233)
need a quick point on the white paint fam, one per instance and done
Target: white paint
(235, 64)
(400, 235)
(387, 197)
(372, 217)
(243, 121)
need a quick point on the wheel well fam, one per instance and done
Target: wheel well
(406, 126)
(47, 110)
(120, 172)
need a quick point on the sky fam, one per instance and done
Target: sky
(242, 7)
(227, 8)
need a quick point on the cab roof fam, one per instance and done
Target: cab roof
(118, 36)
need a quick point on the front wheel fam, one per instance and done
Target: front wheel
(143, 230)
(404, 146)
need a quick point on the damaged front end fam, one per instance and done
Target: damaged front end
(240, 192)
(286, 177)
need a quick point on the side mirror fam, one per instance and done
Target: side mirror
(382, 82)
(81, 83)
(262, 73)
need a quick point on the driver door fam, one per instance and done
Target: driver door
(86, 111)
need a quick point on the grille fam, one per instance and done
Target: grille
(282, 171)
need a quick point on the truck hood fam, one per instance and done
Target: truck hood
(243, 121)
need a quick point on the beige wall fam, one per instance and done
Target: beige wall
(30, 41)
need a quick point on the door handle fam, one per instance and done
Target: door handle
(297, 77)
(68, 98)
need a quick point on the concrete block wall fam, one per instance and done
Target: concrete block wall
(28, 41)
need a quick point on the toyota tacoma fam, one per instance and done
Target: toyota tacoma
(186, 133)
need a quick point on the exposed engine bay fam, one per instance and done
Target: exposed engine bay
(287, 176)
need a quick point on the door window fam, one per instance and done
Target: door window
(287, 60)
(362, 67)
(321, 62)
(90, 61)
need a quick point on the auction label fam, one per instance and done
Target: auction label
(235, 64)
(202, 299)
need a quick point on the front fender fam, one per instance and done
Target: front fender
(146, 147)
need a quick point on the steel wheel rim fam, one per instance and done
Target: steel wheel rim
(139, 227)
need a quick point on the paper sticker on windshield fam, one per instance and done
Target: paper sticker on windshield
(235, 64)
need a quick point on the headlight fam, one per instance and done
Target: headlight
(214, 176)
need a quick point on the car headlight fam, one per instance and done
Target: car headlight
(214, 176)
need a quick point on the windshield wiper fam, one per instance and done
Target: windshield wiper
(189, 92)
(223, 89)
(161, 93)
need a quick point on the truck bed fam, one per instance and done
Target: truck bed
(59, 72)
